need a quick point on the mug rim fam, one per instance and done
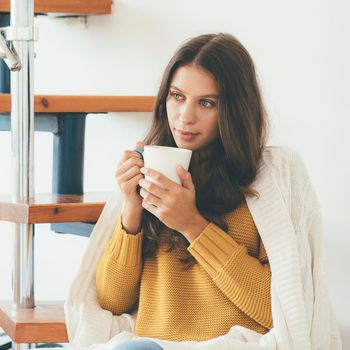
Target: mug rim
(168, 147)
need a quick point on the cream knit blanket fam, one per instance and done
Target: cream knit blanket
(287, 215)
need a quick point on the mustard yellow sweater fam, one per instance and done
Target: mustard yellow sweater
(229, 285)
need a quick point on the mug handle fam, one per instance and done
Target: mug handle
(139, 151)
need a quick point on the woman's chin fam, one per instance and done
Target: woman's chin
(186, 145)
(193, 146)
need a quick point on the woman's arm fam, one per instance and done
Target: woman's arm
(241, 277)
(118, 271)
(244, 279)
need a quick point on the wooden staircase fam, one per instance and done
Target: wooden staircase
(46, 322)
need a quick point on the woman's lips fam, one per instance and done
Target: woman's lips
(185, 135)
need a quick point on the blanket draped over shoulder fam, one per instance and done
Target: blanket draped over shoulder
(287, 215)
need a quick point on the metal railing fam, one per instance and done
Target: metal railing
(17, 49)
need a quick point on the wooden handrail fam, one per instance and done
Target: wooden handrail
(84, 104)
(66, 6)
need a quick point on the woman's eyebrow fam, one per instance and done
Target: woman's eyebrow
(209, 95)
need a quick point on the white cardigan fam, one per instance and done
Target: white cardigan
(287, 215)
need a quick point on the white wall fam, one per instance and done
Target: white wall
(301, 50)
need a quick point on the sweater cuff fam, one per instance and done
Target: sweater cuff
(213, 248)
(126, 248)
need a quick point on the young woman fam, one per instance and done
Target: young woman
(189, 258)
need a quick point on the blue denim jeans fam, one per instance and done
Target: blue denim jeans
(138, 344)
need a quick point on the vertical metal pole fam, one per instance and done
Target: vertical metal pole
(22, 127)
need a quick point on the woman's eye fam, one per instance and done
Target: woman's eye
(177, 96)
(207, 104)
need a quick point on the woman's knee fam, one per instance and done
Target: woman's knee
(138, 344)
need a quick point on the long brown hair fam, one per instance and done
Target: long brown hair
(243, 127)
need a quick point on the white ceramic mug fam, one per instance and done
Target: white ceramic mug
(165, 160)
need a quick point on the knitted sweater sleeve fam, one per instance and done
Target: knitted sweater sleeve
(118, 271)
(244, 279)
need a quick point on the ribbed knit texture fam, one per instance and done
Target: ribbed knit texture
(229, 285)
(119, 270)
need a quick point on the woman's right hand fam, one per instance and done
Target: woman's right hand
(128, 175)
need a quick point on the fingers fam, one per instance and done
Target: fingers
(150, 198)
(160, 178)
(130, 189)
(186, 178)
(129, 173)
(132, 162)
(129, 154)
(151, 208)
(133, 181)
(139, 145)
(153, 188)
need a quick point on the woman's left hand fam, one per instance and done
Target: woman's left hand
(174, 205)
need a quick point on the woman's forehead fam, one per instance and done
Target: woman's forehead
(192, 80)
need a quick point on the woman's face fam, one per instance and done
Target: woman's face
(192, 107)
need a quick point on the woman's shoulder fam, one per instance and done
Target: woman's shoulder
(281, 156)
(286, 165)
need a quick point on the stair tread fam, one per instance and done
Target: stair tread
(50, 208)
(66, 6)
(44, 323)
(84, 104)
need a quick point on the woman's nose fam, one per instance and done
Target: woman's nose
(187, 113)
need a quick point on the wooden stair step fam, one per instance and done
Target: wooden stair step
(66, 6)
(45, 323)
(84, 104)
(49, 208)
